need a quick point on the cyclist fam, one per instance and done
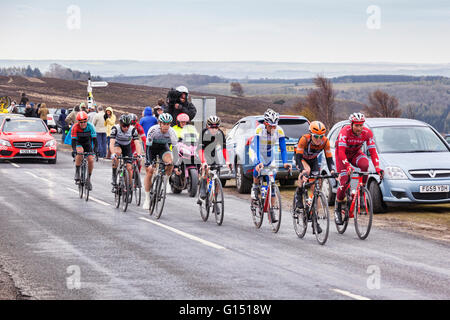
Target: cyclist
(309, 147)
(187, 135)
(212, 137)
(348, 152)
(267, 135)
(83, 134)
(161, 138)
(122, 136)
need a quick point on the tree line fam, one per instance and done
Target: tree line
(55, 71)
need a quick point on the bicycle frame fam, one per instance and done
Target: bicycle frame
(269, 175)
(356, 176)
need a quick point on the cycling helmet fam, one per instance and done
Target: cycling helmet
(182, 89)
(165, 118)
(271, 117)
(133, 118)
(82, 116)
(317, 127)
(125, 120)
(213, 121)
(357, 117)
(183, 117)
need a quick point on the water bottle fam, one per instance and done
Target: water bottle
(209, 185)
(264, 191)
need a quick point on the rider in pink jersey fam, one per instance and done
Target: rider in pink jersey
(348, 152)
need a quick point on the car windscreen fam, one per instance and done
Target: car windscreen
(24, 126)
(407, 139)
(293, 128)
(447, 138)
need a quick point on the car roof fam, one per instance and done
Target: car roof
(284, 116)
(387, 122)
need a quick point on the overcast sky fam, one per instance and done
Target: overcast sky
(409, 31)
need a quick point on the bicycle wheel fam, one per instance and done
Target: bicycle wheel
(118, 193)
(218, 203)
(341, 228)
(86, 189)
(257, 209)
(161, 196)
(137, 186)
(321, 218)
(299, 218)
(153, 194)
(81, 184)
(363, 214)
(277, 210)
(204, 205)
(125, 186)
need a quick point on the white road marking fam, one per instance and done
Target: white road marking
(14, 165)
(187, 235)
(37, 177)
(90, 198)
(349, 294)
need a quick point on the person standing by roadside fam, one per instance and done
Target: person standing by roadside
(63, 124)
(43, 112)
(99, 123)
(148, 120)
(92, 113)
(70, 120)
(28, 111)
(110, 121)
(24, 99)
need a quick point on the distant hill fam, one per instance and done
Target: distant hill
(169, 80)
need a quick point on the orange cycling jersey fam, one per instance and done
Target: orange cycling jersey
(309, 150)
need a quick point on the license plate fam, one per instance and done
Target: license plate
(32, 151)
(430, 189)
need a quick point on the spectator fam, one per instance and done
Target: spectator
(34, 110)
(162, 104)
(28, 111)
(71, 118)
(158, 110)
(24, 99)
(91, 114)
(99, 123)
(110, 121)
(148, 120)
(62, 124)
(43, 112)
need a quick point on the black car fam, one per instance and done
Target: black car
(240, 138)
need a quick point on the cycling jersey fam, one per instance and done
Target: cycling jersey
(84, 137)
(123, 138)
(188, 134)
(208, 145)
(156, 136)
(264, 143)
(141, 132)
(307, 150)
(348, 146)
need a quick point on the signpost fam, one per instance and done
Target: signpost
(94, 84)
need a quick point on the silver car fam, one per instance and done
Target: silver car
(414, 157)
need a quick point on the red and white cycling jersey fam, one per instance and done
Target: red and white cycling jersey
(348, 145)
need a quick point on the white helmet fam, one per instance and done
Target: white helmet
(357, 117)
(271, 117)
(182, 89)
(213, 121)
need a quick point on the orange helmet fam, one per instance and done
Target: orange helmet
(82, 116)
(317, 127)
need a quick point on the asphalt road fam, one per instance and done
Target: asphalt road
(57, 246)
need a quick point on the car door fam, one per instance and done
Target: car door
(231, 147)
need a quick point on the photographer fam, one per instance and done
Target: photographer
(177, 102)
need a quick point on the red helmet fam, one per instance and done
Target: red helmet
(82, 116)
(183, 117)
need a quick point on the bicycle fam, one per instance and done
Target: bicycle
(364, 211)
(159, 189)
(214, 196)
(263, 203)
(136, 189)
(84, 177)
(315, 211)
(123, 187)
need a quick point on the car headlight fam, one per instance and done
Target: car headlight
(50, 143)
(394, 173)
(5, 143)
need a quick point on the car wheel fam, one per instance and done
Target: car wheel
(52, 161)
(327, 189)
(243, 184)
(379, 206)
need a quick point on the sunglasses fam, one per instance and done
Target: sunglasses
(318, 136)
(125, 126)
(214, 127)
(85, 121)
